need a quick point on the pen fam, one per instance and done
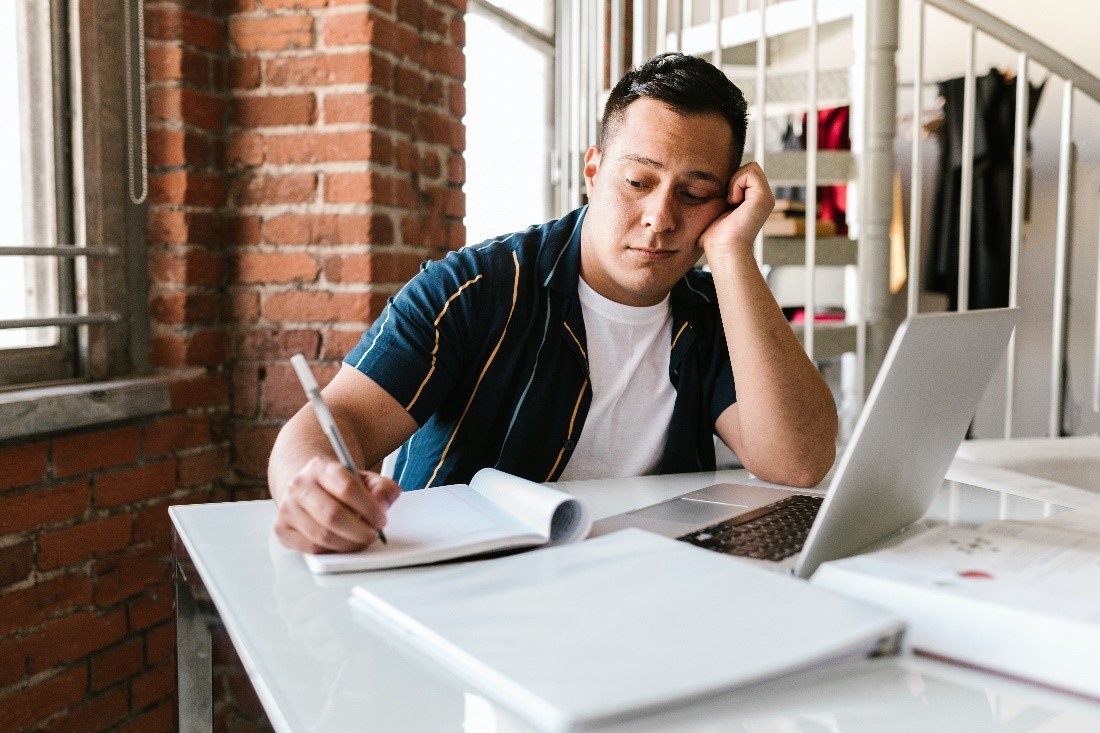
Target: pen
(324, 416)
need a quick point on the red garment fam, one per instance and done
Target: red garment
(832, 134)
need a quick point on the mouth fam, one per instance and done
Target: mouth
(652, 255)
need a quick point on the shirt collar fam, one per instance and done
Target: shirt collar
(560, 265)
(560, 258)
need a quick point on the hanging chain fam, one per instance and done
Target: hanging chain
(140, 177)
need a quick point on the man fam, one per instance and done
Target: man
(587, 347)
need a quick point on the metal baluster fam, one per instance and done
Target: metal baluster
(563, 44)
(641, 26)
(716, 19)
(596, 47)
(809, 307)
(966, 184)
(662, 26)
(1096, 335)
(1019, 166)
(1061, 239)
(576, 105)
(761, 99)
(616, 67)
(687, 19)
(916, 178)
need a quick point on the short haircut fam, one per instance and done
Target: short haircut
(688, 86)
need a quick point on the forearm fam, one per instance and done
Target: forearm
(787, 418)
(299, 440)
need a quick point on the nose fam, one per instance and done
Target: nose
(660, 211)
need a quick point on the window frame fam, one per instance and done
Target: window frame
(46, 174)
(103, 262)
(76, 178)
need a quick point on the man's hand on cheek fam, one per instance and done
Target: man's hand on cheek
(752, 201)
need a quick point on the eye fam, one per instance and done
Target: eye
(634, 184)
(692, 198)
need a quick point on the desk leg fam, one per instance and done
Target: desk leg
(193, 662)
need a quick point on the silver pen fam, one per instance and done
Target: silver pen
(324, 416)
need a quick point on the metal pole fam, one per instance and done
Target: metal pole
(640, 9)
(662, 25)
(1061, 239)
(917, 176)
(761, 101)
(966, 184)
(616, 66)
(876, 150)
(687, 18)
(716, 19)
(1019, 165)
(594, 29)
(1096, 335)
(809, 307)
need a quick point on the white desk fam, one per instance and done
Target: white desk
(317, 667)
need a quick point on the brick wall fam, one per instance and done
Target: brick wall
(344, 148)
(305, 156)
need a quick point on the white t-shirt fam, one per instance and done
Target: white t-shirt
(632, 398)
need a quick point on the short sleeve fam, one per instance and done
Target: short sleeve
(418, 346)
(723, 391)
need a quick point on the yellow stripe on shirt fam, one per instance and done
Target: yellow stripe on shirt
(678, 334)
(435, 349)
(569, 436)
(576, 340)
(447, 448)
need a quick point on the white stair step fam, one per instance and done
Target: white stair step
(788, 167)
(743, 29)
(792, 90)
(830, 339)
(830, 251)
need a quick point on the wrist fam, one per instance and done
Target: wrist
(737, 255)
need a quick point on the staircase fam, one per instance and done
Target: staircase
(807, 55)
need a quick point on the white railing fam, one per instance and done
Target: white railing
(596, 51)
(1074, 79)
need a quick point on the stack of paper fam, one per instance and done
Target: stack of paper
(618, 626)
(1012, 597)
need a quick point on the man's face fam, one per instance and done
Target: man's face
(661, 180)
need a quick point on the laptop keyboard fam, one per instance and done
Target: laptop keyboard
(774, 533)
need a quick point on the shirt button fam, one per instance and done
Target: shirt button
(570, 444)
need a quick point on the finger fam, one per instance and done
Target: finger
(737, 187)
(321, 519)
(294, 540)
(384, 489)
(327, 521)
(315, 536)
(351, 491)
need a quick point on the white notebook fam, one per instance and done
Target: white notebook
(618, 626)
(496, 512)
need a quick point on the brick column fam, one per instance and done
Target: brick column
(345, 150)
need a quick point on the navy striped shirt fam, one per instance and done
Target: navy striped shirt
(486, 350)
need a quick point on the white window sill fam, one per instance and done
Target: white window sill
(28, 412)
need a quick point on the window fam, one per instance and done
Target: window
(72, 305)
(509, 116)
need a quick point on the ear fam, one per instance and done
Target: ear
(591, 166)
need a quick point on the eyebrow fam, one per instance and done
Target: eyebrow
(650, 162)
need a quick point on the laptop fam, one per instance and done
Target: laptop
(916, 415)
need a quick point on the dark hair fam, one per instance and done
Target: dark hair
(689, 86)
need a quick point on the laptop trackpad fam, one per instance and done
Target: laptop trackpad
(671, 518)
(698, 509)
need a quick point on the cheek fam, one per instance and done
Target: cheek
(700, 217)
